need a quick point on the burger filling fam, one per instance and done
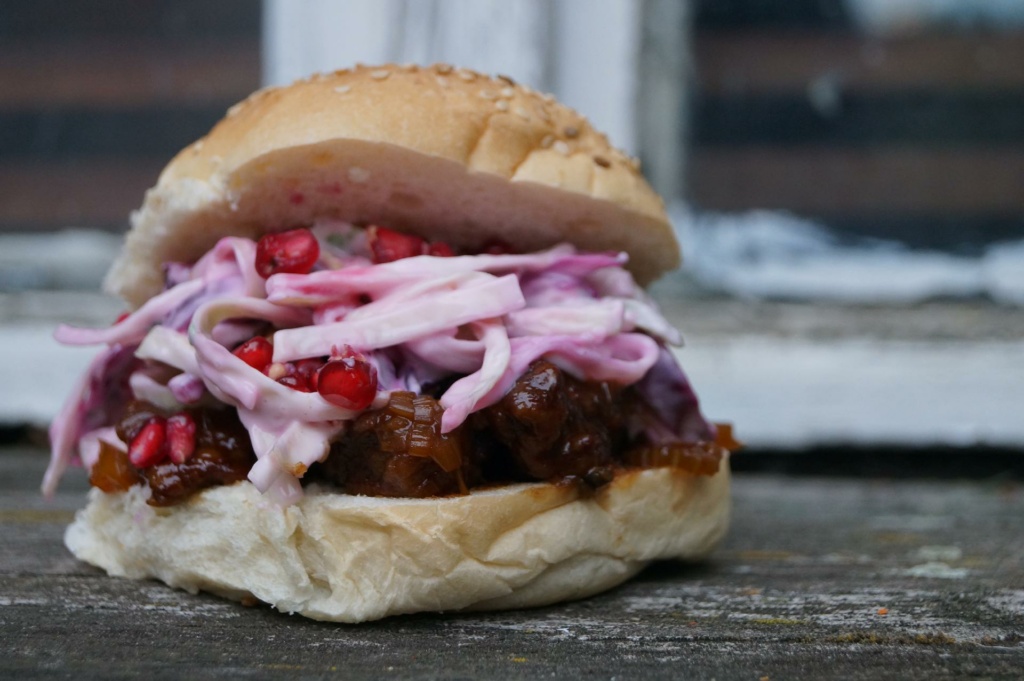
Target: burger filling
(378, 363)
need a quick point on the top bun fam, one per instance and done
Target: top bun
(444, 153)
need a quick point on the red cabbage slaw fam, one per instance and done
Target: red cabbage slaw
(417, 320)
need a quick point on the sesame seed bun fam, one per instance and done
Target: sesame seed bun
(445, 153)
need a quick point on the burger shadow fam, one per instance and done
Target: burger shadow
(676, 571)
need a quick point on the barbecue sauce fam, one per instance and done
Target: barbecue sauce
(549, 426)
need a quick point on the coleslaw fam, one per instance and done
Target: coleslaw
(478, 321)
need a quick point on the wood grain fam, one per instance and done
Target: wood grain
(820, 578)
(765, 61)
(75, 193)
(829, 181)
(125, 73)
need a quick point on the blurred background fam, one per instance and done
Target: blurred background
(846, 176)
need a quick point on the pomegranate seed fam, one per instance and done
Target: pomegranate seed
(181, 437)
(388, 245)
(348, 382)
(440, 250)
(147, 448)
(294, 251)
(306, 370)
(295, 382)
(257, 352)
(121, 317)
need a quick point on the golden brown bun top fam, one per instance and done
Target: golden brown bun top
(446, 153)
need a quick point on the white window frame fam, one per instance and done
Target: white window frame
(637, 47)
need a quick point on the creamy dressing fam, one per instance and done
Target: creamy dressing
(417, 320)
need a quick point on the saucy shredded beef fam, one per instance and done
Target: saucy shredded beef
(223, 453)
(549, 426)
(552, 426)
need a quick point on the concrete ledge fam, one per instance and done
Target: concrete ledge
(798, 393)
(788, 376)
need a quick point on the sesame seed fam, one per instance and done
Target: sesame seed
(522, 113)
(508, 92)
(358, 175)
(444, 68)
(548, 97)
(467, 76)
(342, 89)
(408, 67)
(502, 105)
(602, 161)
(507, 79)
(487, 94)
(443, 82)
(561, 147)
(547, 141)
(380, 74)
(571, 132)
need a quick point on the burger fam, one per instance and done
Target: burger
(388, 351)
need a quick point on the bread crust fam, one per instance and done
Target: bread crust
(346, 558)
(445, 153)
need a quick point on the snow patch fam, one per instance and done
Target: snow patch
(774, 255)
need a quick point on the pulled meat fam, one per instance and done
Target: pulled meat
(549, 426)
(399, 451)
(553, 426)
(223, 453)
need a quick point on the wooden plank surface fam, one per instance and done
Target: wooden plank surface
(828, 181)
(97, 73)
(83, 192)
(819, 578)
(95, 98)
(761, 61)
(181, 20)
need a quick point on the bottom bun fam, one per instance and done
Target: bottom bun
(347, 558)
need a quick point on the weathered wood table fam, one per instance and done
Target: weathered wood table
(820, 578)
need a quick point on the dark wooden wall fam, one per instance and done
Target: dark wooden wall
(917, 137)
(96, 96)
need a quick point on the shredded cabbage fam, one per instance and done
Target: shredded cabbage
(88, 405)
(464, 396)
(169, 347)
(148, 388)
(402, 321)
(480, 318)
